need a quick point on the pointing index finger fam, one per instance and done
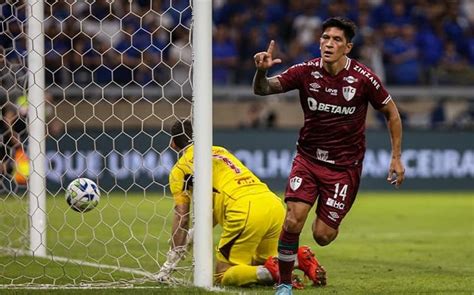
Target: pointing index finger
(270, 47)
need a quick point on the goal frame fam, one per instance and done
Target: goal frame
(202, 120)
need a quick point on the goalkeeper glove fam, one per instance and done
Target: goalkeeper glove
(173, 257)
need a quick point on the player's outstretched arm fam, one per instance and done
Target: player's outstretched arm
(181, 238)
(180, 225)
(396, 173)
(263, 61)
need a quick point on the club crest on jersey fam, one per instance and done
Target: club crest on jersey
(348, 92)
(295, 182)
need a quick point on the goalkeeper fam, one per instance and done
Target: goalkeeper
(251, 216)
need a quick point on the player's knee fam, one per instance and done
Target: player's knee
(323, 239)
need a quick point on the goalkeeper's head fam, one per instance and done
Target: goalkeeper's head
(181, 134)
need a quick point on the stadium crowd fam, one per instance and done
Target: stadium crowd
(405, 42)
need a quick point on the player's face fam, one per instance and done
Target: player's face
(334, 45)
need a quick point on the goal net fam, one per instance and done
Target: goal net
(116, 76)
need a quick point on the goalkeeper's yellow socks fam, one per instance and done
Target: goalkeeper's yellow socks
(242, 275)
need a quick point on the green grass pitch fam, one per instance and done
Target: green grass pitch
(390, 243)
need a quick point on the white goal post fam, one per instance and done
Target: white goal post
(36, 130)
(202, 111)
(85, 61)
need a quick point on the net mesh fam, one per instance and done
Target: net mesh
(117, 76)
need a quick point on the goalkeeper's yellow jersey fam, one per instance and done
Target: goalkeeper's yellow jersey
(231, 180)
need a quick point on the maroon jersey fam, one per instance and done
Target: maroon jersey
(335, 109)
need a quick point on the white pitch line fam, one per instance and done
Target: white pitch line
(77, 261)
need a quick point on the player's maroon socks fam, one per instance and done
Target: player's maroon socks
(287, 252)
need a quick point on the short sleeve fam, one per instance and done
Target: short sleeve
(178, 178)
(377, 94)
(291, 78)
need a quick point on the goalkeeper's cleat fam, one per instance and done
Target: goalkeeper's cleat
(272, 266)
(310, 266)
(284, 289)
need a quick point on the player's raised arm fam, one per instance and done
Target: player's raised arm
(396, 173)
(263, 61)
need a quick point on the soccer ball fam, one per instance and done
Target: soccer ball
(82, 195)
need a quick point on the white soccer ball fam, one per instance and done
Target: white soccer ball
(82, 194)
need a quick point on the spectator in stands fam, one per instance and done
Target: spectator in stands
(12, 129)
(180, 58)
(246, 67)
(430, 45)
(295, 22)
(274, 10)
(57, 45)
(298, 53)
(13, 76)
(454, 23)
(130, 55)
(470, 44)
(225, 58)
(453, 68)
(307, 23)
(468, 7)
(370, 54)
(401, 54)
(466, 118)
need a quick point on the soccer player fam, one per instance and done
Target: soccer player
(334, 92)
(251, 216)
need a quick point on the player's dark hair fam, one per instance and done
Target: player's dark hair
(342, 23)
(182, 133)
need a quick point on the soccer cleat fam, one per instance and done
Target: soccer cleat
(284, 289)
(296, 282)
(310, 266)
(272, 266)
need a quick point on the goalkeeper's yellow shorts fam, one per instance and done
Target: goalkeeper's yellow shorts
(251, 229)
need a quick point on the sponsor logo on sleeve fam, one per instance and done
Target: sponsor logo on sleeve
(369, 76)
(350, 79)
(295, 183)
(348, 92)
(316, 74)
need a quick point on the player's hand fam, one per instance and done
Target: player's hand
(173, 257)
(264, 60)
(396, 173)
